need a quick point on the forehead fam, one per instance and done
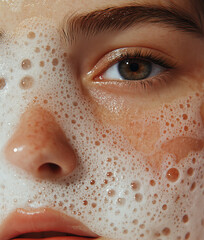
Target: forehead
(12, 12)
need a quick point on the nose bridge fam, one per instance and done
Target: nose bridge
(39, 145)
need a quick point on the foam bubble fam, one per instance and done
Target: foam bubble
(26, 64)
(26, 82)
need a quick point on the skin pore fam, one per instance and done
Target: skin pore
(124, 157)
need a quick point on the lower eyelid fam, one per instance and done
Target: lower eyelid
(133, 88)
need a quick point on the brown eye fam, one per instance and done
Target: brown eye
(134, 69)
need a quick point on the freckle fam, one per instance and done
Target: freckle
(172, 174)
(55, 61)
(164, 207)
(26, 82)
(31, 35)
(26, 64)
(2, 83)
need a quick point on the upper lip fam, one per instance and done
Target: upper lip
(41, 220)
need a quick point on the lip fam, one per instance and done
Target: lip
(43, 220)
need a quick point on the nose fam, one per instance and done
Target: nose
(39, 146)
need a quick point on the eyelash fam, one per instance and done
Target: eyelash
(142, 54)
(148, 56)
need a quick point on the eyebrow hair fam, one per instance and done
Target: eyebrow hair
(121, 18)
(198, 5)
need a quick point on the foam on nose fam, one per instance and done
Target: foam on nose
(114, 190)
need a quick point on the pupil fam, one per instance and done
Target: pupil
(134, 67)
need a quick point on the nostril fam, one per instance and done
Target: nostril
(49, 169)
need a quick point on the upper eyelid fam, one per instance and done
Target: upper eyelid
(117, 55)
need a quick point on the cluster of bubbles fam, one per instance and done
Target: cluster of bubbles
(114, 191)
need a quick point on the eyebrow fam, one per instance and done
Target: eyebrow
(198, 5)
(121, 18)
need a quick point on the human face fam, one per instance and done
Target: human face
(102, 117)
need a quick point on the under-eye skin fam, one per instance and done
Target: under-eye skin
(143, 67)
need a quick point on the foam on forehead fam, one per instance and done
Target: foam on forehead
(114, 190)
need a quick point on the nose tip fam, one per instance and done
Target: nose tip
(40, 147)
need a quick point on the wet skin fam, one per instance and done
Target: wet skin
(159, 119)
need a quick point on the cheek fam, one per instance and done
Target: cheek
(174, 129)
(142, 136)
(181, 147)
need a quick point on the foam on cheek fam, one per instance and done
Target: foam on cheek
(114, 190)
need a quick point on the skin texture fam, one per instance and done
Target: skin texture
(157, 121)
